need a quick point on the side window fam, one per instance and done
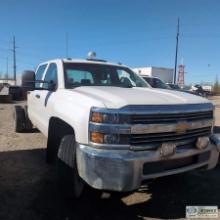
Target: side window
(51, 75)
(39, 74)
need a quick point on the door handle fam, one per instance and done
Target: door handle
(37, 96)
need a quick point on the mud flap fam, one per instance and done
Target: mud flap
(66, 154)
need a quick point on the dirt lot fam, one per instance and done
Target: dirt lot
(28, 188)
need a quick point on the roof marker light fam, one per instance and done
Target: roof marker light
(91, 55)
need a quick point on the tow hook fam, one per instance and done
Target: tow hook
(215, 140)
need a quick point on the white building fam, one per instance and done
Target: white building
(165, 74)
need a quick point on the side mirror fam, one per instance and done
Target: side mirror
(28, 80)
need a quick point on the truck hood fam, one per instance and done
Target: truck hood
(117, 97)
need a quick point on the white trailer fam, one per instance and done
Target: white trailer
(9, 81)
(165, 74)
(207, 88)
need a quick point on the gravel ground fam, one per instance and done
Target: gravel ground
(28, 188)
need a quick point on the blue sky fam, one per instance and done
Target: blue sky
(136, 33)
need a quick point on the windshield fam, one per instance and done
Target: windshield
(86, 74)
(156, 83)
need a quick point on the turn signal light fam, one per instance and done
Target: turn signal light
(97, 117)
(97, 137)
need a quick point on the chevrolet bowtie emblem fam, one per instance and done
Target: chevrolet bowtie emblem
(182, 127)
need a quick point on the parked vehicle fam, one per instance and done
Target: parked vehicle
(191, 91)
(156, 82)
(165, 74)
(159, 84)
(174, 86)
(106, 127)
(198, 89)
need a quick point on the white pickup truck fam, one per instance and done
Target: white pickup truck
(108, 128)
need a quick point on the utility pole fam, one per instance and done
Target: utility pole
(14, 59)
(177, 44)
(7, 67)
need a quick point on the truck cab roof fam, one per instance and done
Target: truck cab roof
(86, 61)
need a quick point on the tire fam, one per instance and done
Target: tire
(19, 119)
(53, 143)
(70, 183)
(52, 149)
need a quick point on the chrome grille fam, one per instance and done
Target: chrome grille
(170, 118)
(142, 139)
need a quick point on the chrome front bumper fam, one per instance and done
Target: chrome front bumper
(124, 170)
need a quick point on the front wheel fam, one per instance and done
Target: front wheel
(70, 182)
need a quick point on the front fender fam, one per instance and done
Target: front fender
(74, 109)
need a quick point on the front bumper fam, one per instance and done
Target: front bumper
(124, 170)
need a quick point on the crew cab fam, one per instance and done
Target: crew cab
(108, 128)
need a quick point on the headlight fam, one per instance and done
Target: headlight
(111, 139)
(100, 117)
(108, 126)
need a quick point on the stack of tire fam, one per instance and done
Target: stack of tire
(15, 92)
